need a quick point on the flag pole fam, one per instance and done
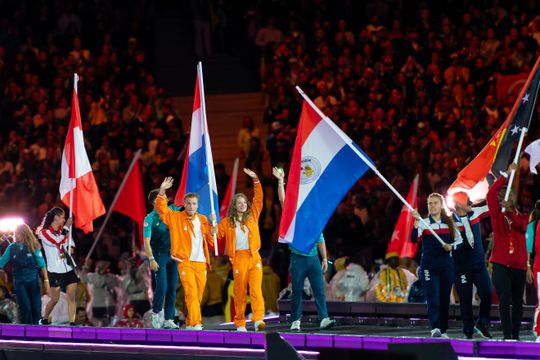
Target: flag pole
(368, 163)
(98, 236)
(516, 159)
(73, 181)
(207, 145)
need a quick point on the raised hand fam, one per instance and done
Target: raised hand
(68, 222)
(166, 184)
(250, 173)
(278, 173)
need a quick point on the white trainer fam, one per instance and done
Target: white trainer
(327, 323)
(198, 327)
(156, 321)
(241, 329)
(436, 333)
(445, 336)
(169, 324)
(295, 326)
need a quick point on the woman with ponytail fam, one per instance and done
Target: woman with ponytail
(27, 261)
(53, 233)
(436, 264)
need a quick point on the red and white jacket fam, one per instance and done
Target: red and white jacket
(53, 241)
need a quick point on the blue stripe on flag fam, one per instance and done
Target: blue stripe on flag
(338, 177)
(198, 181)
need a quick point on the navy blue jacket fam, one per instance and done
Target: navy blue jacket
(467, 256)
(434, 257)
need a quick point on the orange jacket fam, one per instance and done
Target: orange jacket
(227, 230)
(179, 227)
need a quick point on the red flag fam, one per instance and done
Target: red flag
(77, 179)
(509, 85)
(231, 190)
(130, 201)
(400, 244)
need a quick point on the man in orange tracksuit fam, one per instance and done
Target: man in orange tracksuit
(190, 239)
(240, 229)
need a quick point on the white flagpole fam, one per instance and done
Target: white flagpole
(516, 159)
(208, 150)
(98, 236)
(368, 163)
(73, 181)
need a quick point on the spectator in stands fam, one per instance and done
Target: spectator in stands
(392, 285)
(135, 284)
(103, 291)
(8, 308)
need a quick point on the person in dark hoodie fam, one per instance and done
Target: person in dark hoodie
(471, 269)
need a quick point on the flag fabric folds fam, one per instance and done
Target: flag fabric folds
(400, 244)
(495, 156)
(77, 180)
(130, 201)
(324, 166)
(533, 149)
(198, 173)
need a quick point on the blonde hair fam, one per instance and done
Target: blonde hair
(445, 214)
(232, 214)
(24, 234)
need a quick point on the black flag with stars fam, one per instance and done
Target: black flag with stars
(521, 115)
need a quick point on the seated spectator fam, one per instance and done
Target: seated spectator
(8, 308)
(131, 318)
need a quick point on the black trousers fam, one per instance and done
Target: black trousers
(510, 285)
(466, 277)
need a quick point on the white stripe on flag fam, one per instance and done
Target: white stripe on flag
(323, 144)
(195, 139)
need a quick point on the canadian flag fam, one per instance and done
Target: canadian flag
(78, 188)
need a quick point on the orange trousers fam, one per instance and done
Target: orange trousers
(193, 278)
(247, 270)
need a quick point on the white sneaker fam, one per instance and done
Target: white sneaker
(241, 329)
(327, 323)
(259, 325)
(538, 339)
(445, 336)
(156, 321)
(169, 324)
(436, 333)
(295, 326)
(190, 327)
(197, 327)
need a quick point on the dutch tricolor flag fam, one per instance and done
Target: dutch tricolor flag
(324, 166)
(198, 173)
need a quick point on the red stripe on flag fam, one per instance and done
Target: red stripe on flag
(308, 120)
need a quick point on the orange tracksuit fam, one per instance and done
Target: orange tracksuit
(192, 273)
(246, 264)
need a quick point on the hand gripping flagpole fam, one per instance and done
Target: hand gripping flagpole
(368, 163)
(516, 159)
(207, 145)
(98, 236)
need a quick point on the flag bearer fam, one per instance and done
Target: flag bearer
(190, 239)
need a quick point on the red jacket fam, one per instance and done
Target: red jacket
(507, 227)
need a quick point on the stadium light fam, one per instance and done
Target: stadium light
(8, 224)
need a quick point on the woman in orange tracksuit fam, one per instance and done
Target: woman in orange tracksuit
(190, 239)
(240, 229)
